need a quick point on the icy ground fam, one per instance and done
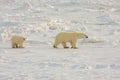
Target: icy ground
(42, 62)
(98, 57)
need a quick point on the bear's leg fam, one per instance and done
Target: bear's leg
(17, 45)
(73, 44)
(20, 45)
(13, 45)
(64, 45)
(56, 44)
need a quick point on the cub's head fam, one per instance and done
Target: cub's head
(81, 35)
(24, 39)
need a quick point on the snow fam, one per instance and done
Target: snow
(40, 21)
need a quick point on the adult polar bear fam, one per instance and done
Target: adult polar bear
(70, 37)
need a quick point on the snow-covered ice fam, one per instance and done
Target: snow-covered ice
(98, 57)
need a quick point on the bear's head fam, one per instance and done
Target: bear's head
(81, 35)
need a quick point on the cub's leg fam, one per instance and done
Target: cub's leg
(14, 45)
(20, 45)
(64, 45)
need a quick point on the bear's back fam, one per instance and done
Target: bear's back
(17, 38)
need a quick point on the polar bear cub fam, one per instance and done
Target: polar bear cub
(17, 41)
(70, 37)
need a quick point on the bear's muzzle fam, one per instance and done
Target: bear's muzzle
(86, 37)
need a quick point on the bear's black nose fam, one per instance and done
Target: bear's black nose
(86, 36)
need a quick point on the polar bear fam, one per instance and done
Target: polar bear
(17, 41)
(70, 37)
